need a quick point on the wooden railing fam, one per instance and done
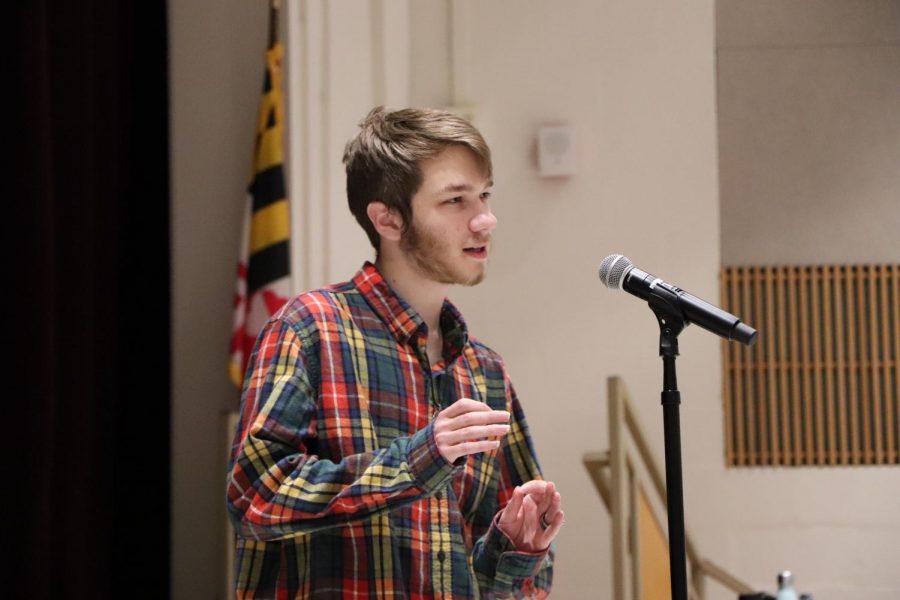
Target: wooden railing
(622, 476)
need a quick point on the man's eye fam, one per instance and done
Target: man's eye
(486, 195)
(455, 200)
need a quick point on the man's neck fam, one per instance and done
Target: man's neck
(425, 296)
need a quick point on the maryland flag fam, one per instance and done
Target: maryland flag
(263, 282)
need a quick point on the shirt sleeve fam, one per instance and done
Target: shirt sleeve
(501, 569)
(277, 489)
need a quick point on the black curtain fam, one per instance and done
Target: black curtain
(86, 433)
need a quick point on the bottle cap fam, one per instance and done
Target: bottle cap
(785, 578)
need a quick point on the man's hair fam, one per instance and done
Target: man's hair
(384, 160)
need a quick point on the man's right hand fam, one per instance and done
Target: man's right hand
(469, 427)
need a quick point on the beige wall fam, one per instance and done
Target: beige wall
(809, 147)
(216, 62)
(809, 130)
(333, 85)
(637, 82)
(216, 69)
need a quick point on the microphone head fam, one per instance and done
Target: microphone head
(613, 269)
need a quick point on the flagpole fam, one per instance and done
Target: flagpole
(274, 8)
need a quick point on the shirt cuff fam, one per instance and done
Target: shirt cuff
(512, 565)
(430, 469)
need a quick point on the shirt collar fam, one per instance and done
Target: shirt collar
(402, 320)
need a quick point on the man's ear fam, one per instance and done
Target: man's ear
(387, 222)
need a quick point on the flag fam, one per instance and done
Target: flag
(263, 277)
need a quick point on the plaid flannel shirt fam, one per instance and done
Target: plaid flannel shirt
(336, 488)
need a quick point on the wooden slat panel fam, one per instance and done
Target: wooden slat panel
(815, 373)
(823, 387)
(852, 367)
(783, 370)
(829, 371)
(749, 411)
(806, 398)
(759, 375)
(874, 375)
(891, 325)
(840, 366)
(895, 329)
(728, 380)
(862, 330)
(739, 351)
(771, 367)
(794, 423)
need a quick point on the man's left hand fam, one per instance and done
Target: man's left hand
(532, 518)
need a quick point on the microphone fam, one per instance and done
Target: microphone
(617, 272)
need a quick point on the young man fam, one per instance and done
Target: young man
(382, 452)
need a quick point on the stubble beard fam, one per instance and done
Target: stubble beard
(429, 254)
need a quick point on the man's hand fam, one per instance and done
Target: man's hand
(532, 518)
(469, 427)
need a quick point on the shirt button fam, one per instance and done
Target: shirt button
(441, 555)
(439, 496)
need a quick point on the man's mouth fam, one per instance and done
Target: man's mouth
(476, 251)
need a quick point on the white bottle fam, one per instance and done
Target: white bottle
(786, 586)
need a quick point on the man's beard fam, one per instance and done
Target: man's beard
(431, 257)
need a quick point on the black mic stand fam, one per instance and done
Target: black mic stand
(664, 305)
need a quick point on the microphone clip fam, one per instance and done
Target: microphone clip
(664, 304)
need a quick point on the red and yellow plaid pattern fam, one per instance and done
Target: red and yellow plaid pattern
(336, 487)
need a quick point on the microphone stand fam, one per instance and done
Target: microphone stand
(664, 305)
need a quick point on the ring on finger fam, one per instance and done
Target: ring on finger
(544, 522)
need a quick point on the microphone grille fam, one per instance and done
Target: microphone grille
(612, 270)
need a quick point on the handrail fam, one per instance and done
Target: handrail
(613, 474)
(713, 570)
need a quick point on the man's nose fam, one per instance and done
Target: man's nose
(483, 222)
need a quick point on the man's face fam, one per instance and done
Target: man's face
(449, 238)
